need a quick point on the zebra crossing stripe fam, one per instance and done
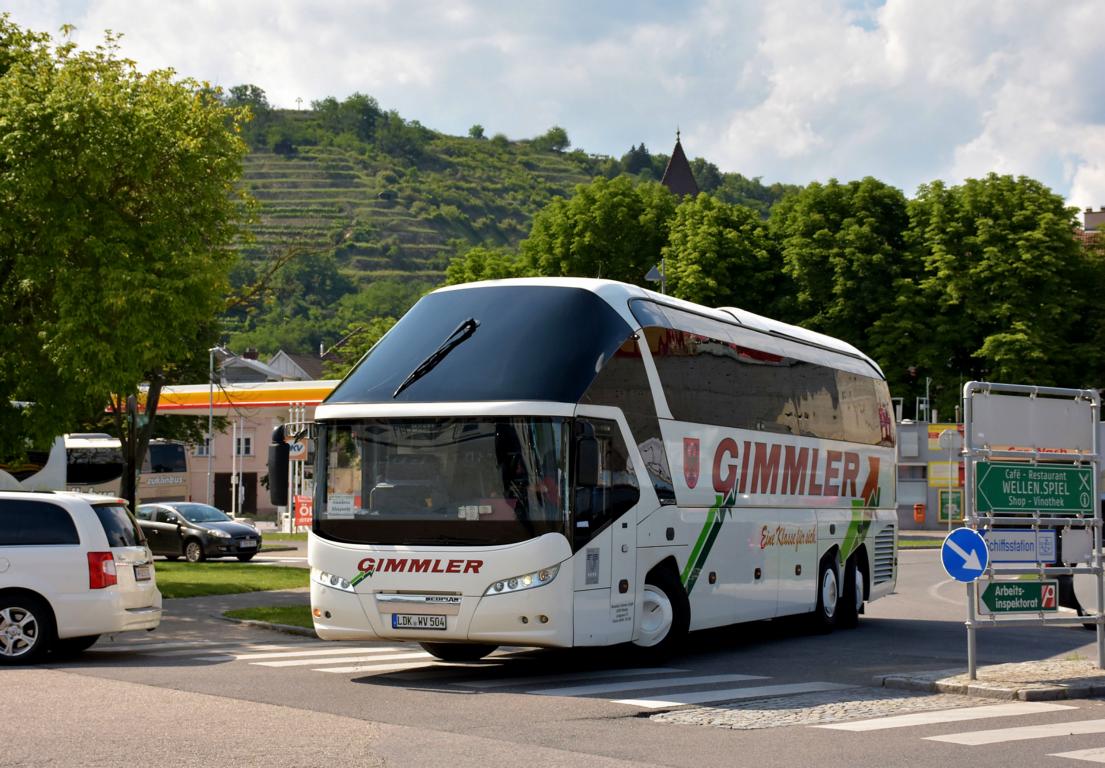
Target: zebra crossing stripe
(733, 694)
(342, 660)
(1089, 755)
(640, 685)
(372, 668)
(1022, 733)
(948, 716)
(511, 682)
(330, 651)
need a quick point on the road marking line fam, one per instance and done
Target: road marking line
(1022, 733)
(616, 673)
(330, 651)
(231, 649)
(948, 716)
(640, 685)
(197, 645)
(733, 694)
(342, 660)
(1089, 755)
(361, 668)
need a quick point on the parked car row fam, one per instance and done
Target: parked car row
(75, 566)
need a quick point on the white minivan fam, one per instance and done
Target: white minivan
(72, 567)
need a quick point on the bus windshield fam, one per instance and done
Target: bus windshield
(451, 481)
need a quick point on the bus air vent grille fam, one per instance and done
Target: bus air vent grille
(884, 555)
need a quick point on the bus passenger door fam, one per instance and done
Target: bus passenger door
(604, 517)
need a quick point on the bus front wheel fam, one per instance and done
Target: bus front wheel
(458, 651)
(665, 614)
(827, 612)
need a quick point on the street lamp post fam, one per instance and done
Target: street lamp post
(211, 415)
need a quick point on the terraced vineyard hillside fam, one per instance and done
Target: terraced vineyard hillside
(386, 218)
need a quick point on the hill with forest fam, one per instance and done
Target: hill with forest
(362, 210)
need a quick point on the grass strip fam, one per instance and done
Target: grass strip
(277, 536)
(294, 615)
(203, 579)
(920, 543)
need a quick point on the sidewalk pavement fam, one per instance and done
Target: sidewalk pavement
(1048, 680)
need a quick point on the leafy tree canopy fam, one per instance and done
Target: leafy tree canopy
(612, 229)
(719, 254)
(121, 207)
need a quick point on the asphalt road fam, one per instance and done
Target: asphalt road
(201, 691)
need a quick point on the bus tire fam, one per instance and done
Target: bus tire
(458, 651)
(851, 597)
(665, 615)
(827, 613)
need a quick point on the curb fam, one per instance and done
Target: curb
(285, 628)
(1034, 692)
(276, 548)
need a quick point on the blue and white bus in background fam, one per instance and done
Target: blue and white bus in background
(572, 462)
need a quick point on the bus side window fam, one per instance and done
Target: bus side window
(617, 490)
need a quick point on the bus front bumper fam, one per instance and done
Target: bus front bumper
(538, 617)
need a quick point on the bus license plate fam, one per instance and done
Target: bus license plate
(142, 573)
(417, 621)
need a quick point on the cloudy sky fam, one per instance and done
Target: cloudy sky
(907, 91)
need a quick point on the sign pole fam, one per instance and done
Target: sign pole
(970, 517)
(972, 649)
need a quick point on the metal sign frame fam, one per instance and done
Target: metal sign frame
(976, 450)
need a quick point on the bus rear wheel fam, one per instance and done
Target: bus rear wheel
(851, 597)
(665, 615)
(458, 651)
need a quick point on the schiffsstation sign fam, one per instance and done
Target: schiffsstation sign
(1017, 487)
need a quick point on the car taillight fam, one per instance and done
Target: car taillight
(101, 570)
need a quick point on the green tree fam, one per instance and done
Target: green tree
(476, 132)
(482, 263)
(721, 255)
(354, 344)
(1003, 292)
(121, 209)
(613, 229)
(843, 245)
(555, 140)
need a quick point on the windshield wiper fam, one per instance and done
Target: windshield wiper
(460, 334)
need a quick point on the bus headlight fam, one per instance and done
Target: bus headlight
(526, 581)
(332, 581)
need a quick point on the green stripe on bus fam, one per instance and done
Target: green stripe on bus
(702, 536)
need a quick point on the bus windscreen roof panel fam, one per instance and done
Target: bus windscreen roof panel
(533, 343)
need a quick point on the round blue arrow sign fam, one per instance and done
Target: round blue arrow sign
(964, 554)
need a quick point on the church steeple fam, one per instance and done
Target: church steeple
(678, 176)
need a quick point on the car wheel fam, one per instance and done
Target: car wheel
(246, 558)
(827, 612)
(193, 551)
(665, 615)
(26, 629)
(458, 651)
(851, 597)
(71, 646)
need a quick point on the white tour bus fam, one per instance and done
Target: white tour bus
(570, 462)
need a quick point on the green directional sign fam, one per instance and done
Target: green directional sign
(1019, 597)
(1012, 487)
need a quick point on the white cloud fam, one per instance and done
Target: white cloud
(793, 90)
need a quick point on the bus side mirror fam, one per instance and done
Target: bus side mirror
(587, 456)
(278, 468)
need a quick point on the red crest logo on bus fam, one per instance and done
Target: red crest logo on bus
(690, 460)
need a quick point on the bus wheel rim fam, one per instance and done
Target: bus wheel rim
(829, 593)
(657, 615)
(859, 589)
